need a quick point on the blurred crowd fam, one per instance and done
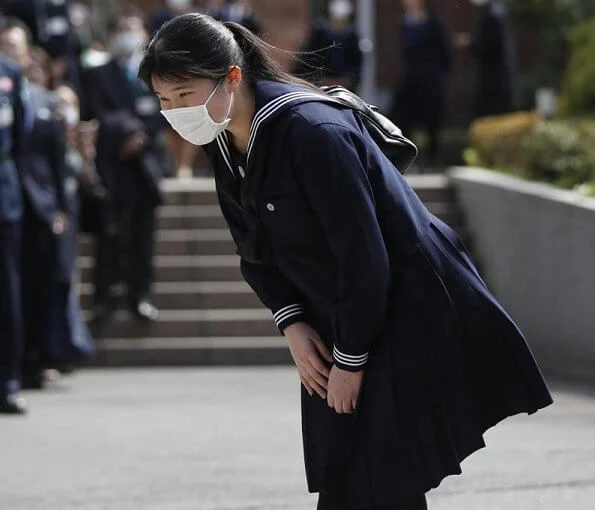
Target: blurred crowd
(83, 147)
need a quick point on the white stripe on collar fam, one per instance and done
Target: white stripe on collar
(224, 149)
(268, 110)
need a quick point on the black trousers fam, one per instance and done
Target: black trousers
(11, 325)
(125, 254)
(337, 502)
(38, 282)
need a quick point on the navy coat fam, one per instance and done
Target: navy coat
(109, 91)
(44, 166)
(426, 57)
(14, 113)
(492, 47)
(348, 247)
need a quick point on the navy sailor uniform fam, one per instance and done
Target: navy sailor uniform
(331, 234)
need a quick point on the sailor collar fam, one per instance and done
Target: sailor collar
(271, 99)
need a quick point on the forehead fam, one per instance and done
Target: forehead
(164, 87)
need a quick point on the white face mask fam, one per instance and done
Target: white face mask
(71, 116)
(340, 9)
(126, 44)
(195, 124)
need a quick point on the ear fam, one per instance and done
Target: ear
(234, 76)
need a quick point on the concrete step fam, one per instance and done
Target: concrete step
(183, 268)
(191, 295)
(194, 217)
(194, 351)
(181, 217)
(190, 323)
(180, 242)
(201, 191)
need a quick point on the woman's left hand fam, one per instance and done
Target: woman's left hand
(343, 390)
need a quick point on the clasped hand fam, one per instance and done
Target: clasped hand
(339, 388)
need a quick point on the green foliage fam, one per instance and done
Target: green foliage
(579, 79)
(550, 23)
(552, 19)
(560, 152)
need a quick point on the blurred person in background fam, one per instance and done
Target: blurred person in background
(419, 101)
(332, 55)
(172, 9)
(39, 71)
(14, 115)
(70, 341)
(49, 24)
(238, 11)
(212, 7)
(45, 218)
(492, 47)
(114, 88)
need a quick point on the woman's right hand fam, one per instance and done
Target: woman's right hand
(308, 351)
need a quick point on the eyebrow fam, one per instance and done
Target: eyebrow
(175, 89)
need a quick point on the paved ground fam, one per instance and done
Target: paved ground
(223, 439)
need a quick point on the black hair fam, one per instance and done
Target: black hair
(198, 46)
(10, 23)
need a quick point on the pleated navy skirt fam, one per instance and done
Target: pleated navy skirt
(448, 365)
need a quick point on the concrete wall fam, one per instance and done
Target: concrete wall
(536, 245)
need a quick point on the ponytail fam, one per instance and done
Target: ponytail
(196, 45)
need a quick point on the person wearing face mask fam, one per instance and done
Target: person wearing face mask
(172, 9)
(405, 357)
(492, 47)
(70, 341)
(45, 218)
(15, 118)
(238, 11)
(114, 89)
(49, 24)
(332, 55)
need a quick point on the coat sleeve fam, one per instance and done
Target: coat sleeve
(58, 163)
(275, 291)
(329, 162)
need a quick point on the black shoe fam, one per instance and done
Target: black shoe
(32, 381)
(102, 313)
(13, 404)
(147, 311)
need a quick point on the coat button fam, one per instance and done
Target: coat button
(270, 207)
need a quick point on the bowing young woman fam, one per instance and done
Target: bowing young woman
(404, 355)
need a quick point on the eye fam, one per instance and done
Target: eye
(184, 94)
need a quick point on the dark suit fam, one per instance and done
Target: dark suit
(492, 47)
(420, 95)
(115, 92)
(331, 56)
(43, 176)
(13, 120)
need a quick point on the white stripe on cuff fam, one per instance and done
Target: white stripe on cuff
(349, 360)
(287, 312)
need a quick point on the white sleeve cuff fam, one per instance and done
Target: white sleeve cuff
(285, 315)
(348, 360)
